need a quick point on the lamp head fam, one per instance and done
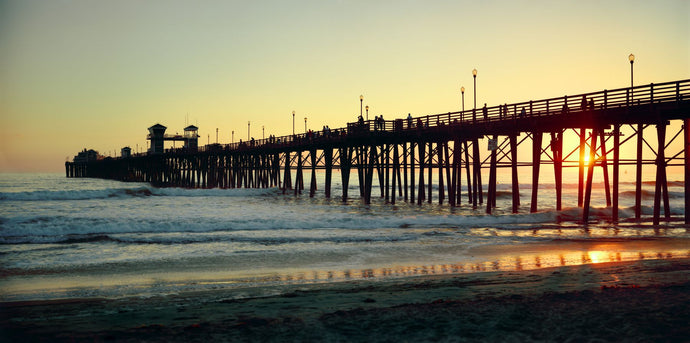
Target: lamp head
(474, 72)
(462, 89)
(361, 97)
(631, 57)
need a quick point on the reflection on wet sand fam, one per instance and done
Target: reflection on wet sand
(521, 262)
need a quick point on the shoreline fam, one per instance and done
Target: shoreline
(640, 300)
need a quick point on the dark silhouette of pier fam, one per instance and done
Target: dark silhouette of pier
(406, 153)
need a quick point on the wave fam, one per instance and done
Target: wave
(47, 195)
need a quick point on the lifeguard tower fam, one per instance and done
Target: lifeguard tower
(158, 137)
(191, 138)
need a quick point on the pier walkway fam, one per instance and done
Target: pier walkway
(410, 155)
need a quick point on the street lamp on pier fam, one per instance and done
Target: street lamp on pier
(361, 99)
(631, 58)
(474, 110)
(293, 123)
(263, 133)
(248, 131)
(462, 92)
(232, 138)
(367, 108)
(305, 124)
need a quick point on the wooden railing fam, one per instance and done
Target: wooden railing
(667, 92)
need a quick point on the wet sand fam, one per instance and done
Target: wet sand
(647, 300)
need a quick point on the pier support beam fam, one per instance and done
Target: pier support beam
(514, 172)
(686, 151)
(616, 172)
(536, 162)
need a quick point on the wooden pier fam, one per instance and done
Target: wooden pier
(406, 154)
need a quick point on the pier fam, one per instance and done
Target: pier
(411, 155)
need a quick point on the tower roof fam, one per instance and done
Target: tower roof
(191, 128)
(157, 126)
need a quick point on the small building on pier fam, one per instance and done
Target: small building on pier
(158, 137)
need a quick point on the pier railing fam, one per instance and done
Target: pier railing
(650, 94)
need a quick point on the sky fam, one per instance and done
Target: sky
(94, 74)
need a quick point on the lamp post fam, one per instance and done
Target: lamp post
(361, 99)
(293, 123)
(631, 58)
(263, 133)
(367, 108)
(462, 92)
(248, 132)
(232, 139)
(305, 124)
(216, 135)
(474, 110)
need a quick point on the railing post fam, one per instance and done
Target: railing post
(651, 93)
(530, 108)
(606, 99)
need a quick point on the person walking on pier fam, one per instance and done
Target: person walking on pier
(485, 112)
(409, 120)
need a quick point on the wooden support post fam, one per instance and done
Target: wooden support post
(312, 184)
(361, 159)
(605, 167)
(396, 172)
(457, 171)
(638, 174)
(299, 180)
(422, 161)
(491, 198)
(686, 151)
(660, 183)
(557, 149)
(514, 173)
(616, 172)
(287, 183)
(441, 185)
(469, 178)
(404, 159)
(450, 175)
(373, 156)
(379, 169)
(581, 168)
(475, 172)
(478, 170)
(590, 175)
(387, 168)
(345, 165)
(328, 157)
(412, 181)
(536, 162)
(431, 172)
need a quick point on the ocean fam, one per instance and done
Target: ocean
(64, 238)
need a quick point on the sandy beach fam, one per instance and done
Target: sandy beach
(646, 300)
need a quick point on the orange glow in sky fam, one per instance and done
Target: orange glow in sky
(96, 74)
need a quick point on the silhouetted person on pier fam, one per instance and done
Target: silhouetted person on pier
(523, 113)
(591, 104)
(409, 120)
(565, 109)
(485, 112)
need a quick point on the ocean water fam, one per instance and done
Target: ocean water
(79, 237)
